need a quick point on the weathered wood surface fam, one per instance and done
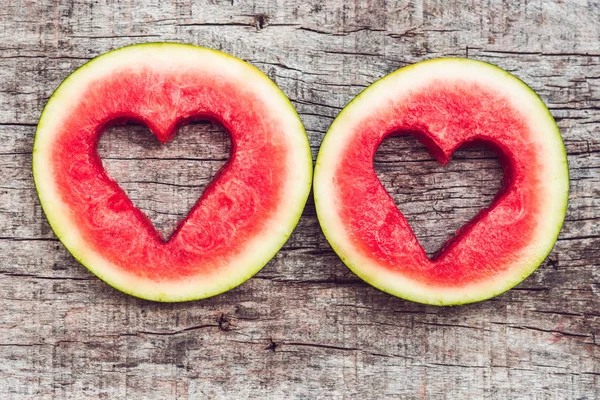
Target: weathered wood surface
(305, 326)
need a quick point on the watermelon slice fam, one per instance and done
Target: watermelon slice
(243, 217)
(446, 103)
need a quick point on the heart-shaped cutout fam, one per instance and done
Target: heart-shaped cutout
(437, 200)
(164, 180)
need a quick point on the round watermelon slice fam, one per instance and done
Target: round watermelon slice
(240, 221)
(446, 103)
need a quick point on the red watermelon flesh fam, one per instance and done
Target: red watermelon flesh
(447, 104)
(254, 201)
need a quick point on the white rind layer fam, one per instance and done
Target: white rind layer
(555, 174)
(175, 57)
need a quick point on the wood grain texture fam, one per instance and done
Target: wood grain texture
(305, 326)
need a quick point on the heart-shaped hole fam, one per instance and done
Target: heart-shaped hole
(437, 200)
(164, 180)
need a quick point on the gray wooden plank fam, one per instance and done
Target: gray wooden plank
(305, 326)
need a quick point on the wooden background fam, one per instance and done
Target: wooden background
(305, 326)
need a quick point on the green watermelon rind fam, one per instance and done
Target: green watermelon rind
(236, 280)
(398, 291)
